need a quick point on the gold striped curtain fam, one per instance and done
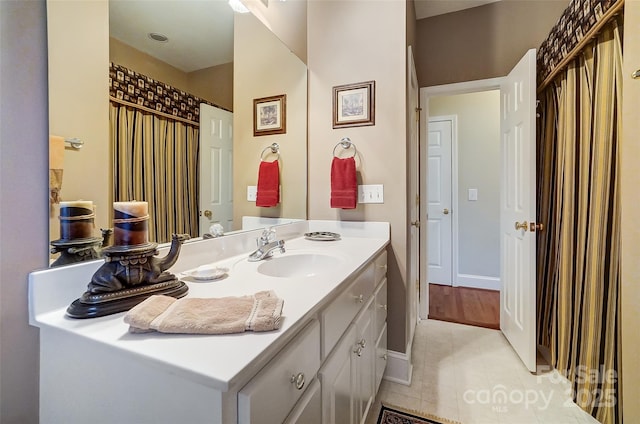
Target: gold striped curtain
(156, 159)
(579, 252)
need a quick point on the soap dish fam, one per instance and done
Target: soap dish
(322, 236)
(207, 273)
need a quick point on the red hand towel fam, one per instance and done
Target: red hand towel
(344, 186)
(268, 184)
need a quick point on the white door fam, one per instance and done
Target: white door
(439, 203)
(414, 199)
(518, 209)
(216, 168)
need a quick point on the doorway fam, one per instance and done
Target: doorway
(517, 204)
(463, 187)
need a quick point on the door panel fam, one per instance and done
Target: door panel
(518, 210)
(414, 190)
(439, 241)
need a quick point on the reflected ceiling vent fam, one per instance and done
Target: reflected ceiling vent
(237, 6)
(161, 38)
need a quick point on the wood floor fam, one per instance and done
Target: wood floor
(465, 305)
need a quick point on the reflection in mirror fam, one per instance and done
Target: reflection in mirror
(79, 35)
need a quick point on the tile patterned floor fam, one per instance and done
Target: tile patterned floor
(472, 375)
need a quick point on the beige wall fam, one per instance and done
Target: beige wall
(23, 210)
(125, 55)
(286, 19)
(358, 52)
(214, 84)
(264, 67)
(482, 42)
(630, 181)
(478, 118)
(78, 44)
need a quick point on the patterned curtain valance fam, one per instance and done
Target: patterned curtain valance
(133, 88)
(578, 19)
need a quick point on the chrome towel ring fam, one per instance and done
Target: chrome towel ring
(274, 148)
(345, 143)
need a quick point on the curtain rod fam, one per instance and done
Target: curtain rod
(613, 10)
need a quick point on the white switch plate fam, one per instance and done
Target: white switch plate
(372, 193)
(473, 194)
(252, 193)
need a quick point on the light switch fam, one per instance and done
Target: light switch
(372, 193)
(252, 193)
(473, 194)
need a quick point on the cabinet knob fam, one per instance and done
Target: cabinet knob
(383, 307)
(384, 356)
(360, 298)
(358, 351)
(298, 380)
(362, 343)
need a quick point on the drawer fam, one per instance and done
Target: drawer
(381, 267)
(381, 357)
(273, 392)
(309, 409)
(381, 306)
(340, 312)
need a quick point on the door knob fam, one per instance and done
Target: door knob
(524, 225)
(445, 211)
(208, 214)
(533, 227)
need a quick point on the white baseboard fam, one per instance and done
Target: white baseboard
(399, 368)
(478, 282)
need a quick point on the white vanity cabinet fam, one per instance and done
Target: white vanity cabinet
(323, 365)
(350, 375)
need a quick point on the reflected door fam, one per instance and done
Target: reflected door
(216, 168)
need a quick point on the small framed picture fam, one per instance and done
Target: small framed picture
(270, 115)
(354, 105)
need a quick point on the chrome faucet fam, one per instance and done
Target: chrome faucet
(267, 244)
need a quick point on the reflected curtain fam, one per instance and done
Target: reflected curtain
(578, 198)
(156, 159)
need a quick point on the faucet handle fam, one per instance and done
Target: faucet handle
(268, 235)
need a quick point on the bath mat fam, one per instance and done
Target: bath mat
(394, 415)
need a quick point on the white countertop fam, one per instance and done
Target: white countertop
(219, 361)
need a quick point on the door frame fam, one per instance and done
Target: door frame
(425, 94)
(454, 190)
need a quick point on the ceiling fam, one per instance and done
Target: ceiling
(429, 8)
(201, 32)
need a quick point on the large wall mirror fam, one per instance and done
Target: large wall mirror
(226, 59)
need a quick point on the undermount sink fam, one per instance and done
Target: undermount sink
(298, 265)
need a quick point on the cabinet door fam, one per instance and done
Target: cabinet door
(381, 306)
(338, 383)
(381, 357)
(309, 408)
(364, 361)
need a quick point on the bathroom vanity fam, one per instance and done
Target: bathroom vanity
(324, 364)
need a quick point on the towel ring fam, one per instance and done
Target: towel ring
(345, 143)
(275, 149)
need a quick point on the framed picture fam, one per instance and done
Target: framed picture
(270, 115)
(354, 105)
